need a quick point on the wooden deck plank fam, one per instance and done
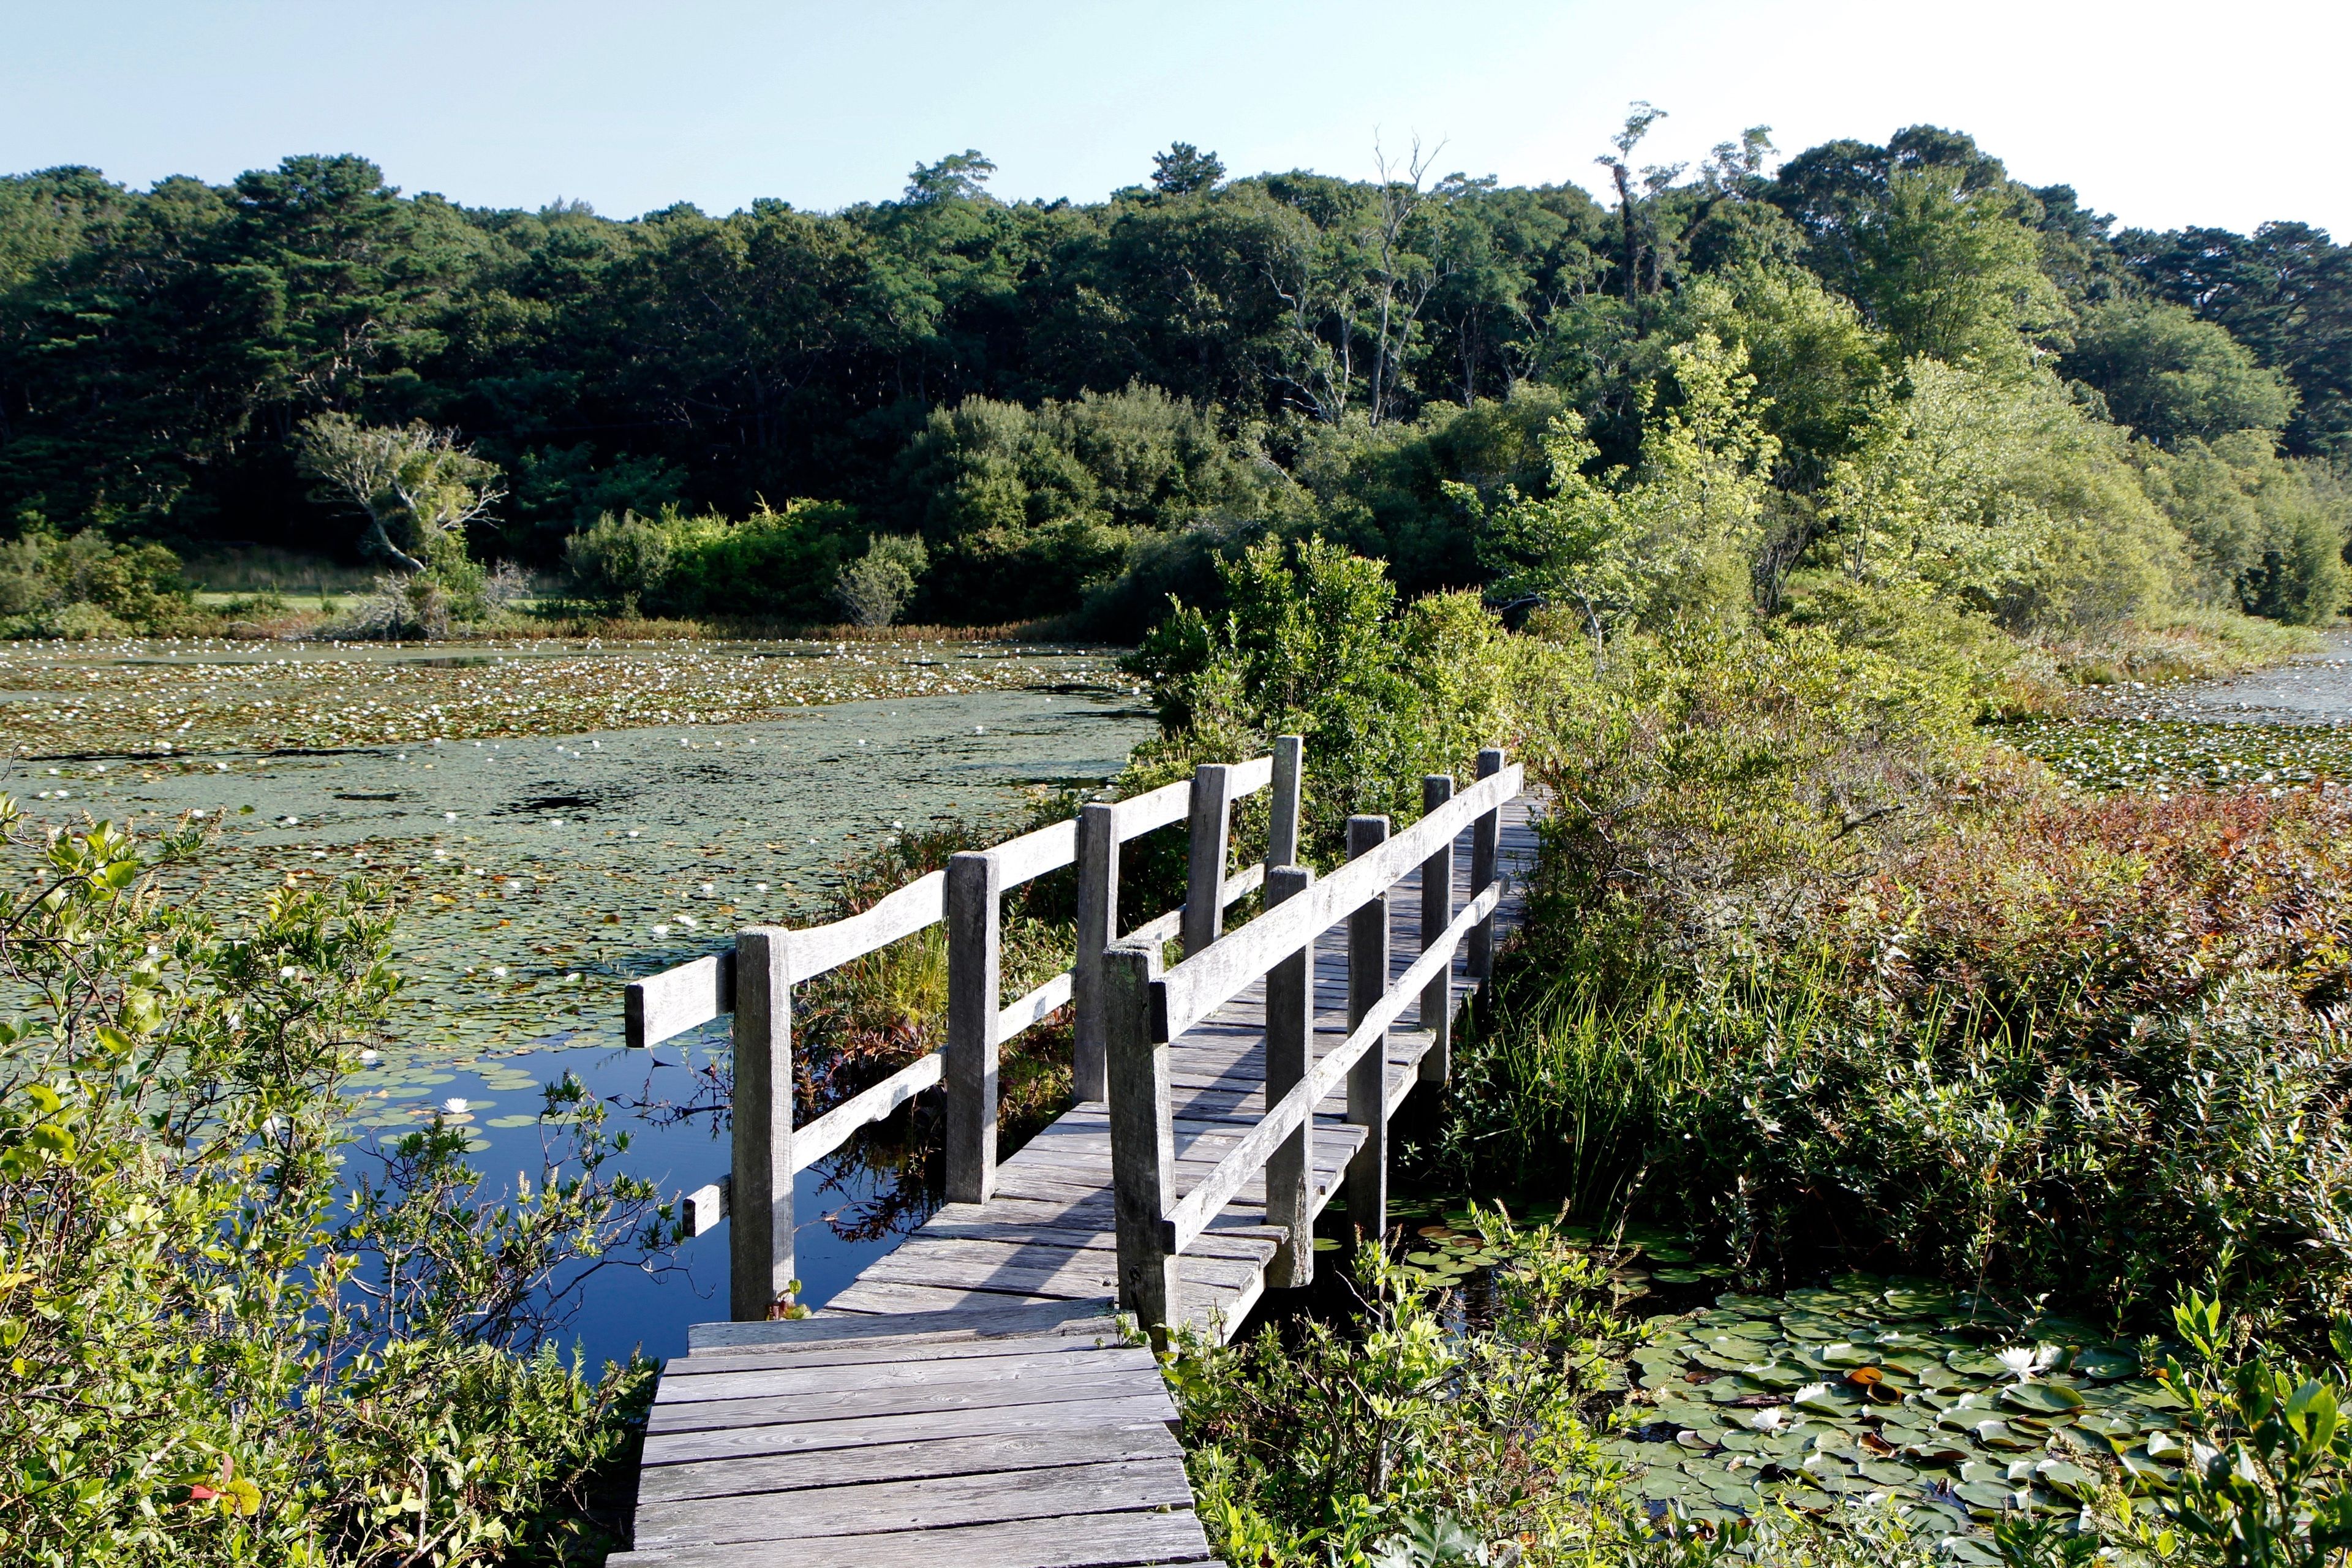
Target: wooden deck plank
(1088, 1541)
(867, 1508)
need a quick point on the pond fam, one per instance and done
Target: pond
(556, 820)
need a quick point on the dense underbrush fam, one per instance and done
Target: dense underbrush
(232, 1336)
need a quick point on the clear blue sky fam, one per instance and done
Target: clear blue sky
(2163, 113)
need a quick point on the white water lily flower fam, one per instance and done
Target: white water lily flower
(499, 971)
(1770, 1420)
(709, 888)
(448, 816)
(2023, 1362)
(759, 887)
(369, 1059)
(661, 930)
(455, 1105)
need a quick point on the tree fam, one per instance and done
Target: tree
(959, 176)
(1184, 169)
(1633, 247)
(1675, 536)
(418, 486)
(2171, 376)
(873, 589)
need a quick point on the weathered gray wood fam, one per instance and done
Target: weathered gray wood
(884, 1351)
(705, 1206)
(1033, 854)
(676, 1000)
(1097, 853)
(1368, 985)
(1282, 824)
(1207, 980)
(835, 1127)
(1142, 814)
(926, 1504)
(1142, 1145)
(921, 902)
(893, 1399)
(707, 1338)
(1035, 1007)
(1289, 1043)
(966, 1368)
(1436, 914)
(1485, 839)
(794, 1383)
(723, 1444)
(1085, 1541)
(973, 909)
(760, 1251)
(1245, 779)
(997, 1454)
(1204, 882)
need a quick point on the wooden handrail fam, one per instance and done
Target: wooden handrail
(1193, 1212)
(1149, 1008)
(1209, 979)
(769, 1150)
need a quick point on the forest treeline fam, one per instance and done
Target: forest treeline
(1693, 388)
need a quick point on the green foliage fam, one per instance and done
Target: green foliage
(1024, 509)
(207, 1363)
(1402, 1442)
(876, 586)
(1675, 539)
(2172, 377)
(1313, 643)
(1805, 966)
(1299, 354)
(780, 566)
(86, 585)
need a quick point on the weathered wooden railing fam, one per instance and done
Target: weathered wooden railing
(1144, 1009)
(754, 984)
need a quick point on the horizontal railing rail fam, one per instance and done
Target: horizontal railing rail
(1146, 1009)
(768, 961)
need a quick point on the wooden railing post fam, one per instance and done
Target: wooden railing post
(1282, 823)
(1368, 981)
(1289, 1048)
(1436, 914)
(1486, 839)
(974, 885)
(1097, 850)
(760, 1245)
(1204, 887)
(1142, 1136)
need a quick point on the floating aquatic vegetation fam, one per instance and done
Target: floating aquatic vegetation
(1898, 1391)
(2170, 756)
(180, 697)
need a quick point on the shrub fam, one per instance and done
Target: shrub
(225, 1345)
(1314, 643)
(876, 586)
(2048, 1044)
(773, 565)
(1397, 1441)
(86, 585)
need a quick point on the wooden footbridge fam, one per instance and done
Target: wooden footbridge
(973, 1399)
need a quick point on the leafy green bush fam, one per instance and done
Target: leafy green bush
(86, 585)
(225, 1345)
(1808, 975)
(1313, 642)
(776, 565)
(1402, 1442)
